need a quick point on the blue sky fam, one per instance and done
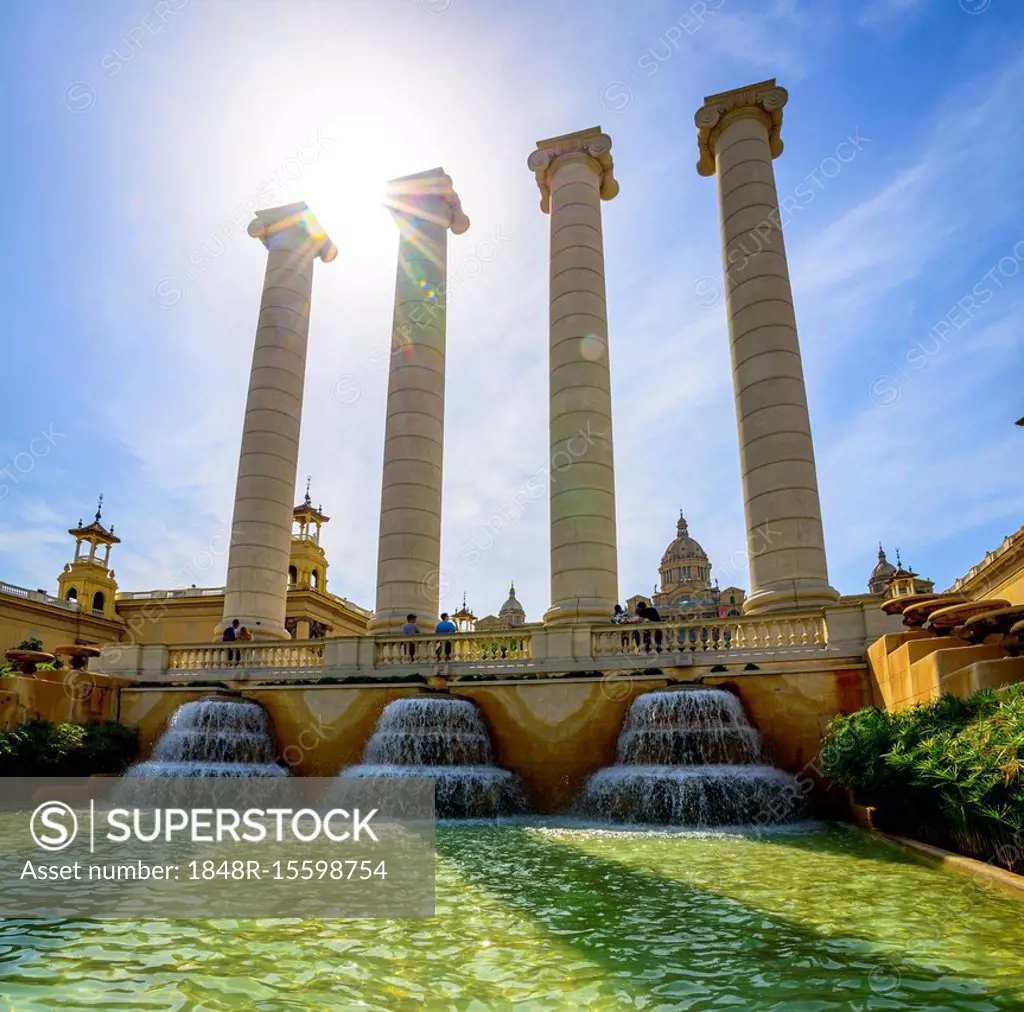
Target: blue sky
(138, 133)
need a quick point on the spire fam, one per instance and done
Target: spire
(307, 501)
(881, 553)
(898, 563)
(512, 589)
(681, 527)
(99, 508)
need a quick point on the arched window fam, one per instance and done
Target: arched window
(72, 594)
(293, 576)
(98, 601)
(314, 579)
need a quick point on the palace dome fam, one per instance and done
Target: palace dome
(683, 548)
(512, 611)
(880, 575)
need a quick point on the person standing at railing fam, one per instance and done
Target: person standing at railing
(244, 636)
(410, 628)
(445, 628)
(230, 635)
(648, 613)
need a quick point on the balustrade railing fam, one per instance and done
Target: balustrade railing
(39, 596)
(288, 655)
(478, 648)
(721, 636)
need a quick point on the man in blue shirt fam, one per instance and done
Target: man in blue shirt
(445, 628)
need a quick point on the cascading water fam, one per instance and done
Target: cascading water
(215, 737)
(690, 757)
(445, 739)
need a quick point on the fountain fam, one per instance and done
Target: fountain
(219, 736)
(435, 735)
(688, 756)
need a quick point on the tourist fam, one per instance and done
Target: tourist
(619, 615)
(230, 635)
(648, 613)
(445, 628)
(411, 629)
(243, 636)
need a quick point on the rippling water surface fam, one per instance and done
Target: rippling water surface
(562, 918)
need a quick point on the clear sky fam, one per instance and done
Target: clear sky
(137, 134)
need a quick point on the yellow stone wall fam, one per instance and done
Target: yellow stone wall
(147, 621)
(76, 697)
(22, 620)
(553, 733)
(915, 667)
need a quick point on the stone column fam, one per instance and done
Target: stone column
(738, 136)
(424, 206)
(574, 174)
(261, 531)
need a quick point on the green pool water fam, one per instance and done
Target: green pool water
(532, 917)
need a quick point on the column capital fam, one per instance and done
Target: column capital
(292, 226)
(429, 195)
(591, 144)
(763, 100)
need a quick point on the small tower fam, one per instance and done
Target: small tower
(903, 582)
(307, 566)
(88, 579)
(464, 618)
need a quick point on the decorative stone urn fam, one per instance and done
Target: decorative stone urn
(78, 653)
(28, 659)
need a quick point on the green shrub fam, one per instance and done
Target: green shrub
(951, 771)
(39, 748)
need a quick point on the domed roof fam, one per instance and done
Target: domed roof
(683, 548)
(512, 605)
(881, 573)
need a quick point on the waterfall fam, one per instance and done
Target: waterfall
(690, 757)
(443, 738)
(220, 736)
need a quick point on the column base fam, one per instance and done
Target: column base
(584, 609)
(261, 628)
(793, 595)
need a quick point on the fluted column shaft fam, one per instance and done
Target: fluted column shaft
(738, 138)
(257, 579)
(424, 207)
(575, 173)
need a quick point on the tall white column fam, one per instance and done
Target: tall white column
(738, 136)
(575, 173)
(261, 531)
(424, 206)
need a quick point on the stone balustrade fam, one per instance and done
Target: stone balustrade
(39, 596)
(841, 632)
(456, 648)
(732, 636)
(276, 656)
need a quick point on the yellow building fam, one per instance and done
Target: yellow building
(89, 607)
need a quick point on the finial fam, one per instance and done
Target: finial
(881, 553)
(309, 481)
(898, 563)
(111, 528)
(681, 527)
(79, 521)
(99, 508)
(512, 589)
